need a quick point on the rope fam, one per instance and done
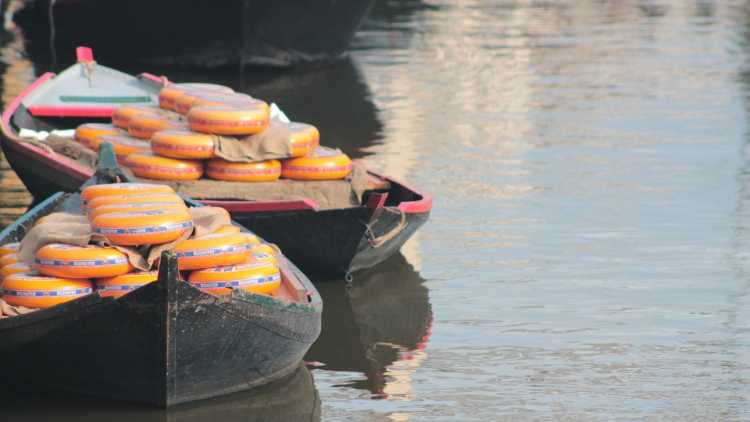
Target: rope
(378, 241)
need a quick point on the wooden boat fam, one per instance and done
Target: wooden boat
(201, 33)
(378, 326)
(290, 399)
(162, 344)
(353, 238)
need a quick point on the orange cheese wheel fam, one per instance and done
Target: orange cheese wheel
(93, 191)
(263, 252)
(195, 98)
(9, 259)
(262, 171)
(183, 144)
(304, 138)
(245, 119)
(88, 134)
(9, 248)
(162, 168)
(38, 291)
(146, 124)
(229, 229)
(69, 261)
(255, 277)
(134, 199)
(142, 227)
(171, 92)
(322, 164)
(212, 250)
(18, 267)
(125, 145)
(124, 284)
(146, 206)
(121, 115)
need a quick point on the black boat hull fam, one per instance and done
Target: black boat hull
(198, 33)
(335, 242)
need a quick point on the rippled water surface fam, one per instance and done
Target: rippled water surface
(587, 257)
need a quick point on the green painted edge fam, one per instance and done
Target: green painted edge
(91, 99)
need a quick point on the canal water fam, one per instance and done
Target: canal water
(588, 256)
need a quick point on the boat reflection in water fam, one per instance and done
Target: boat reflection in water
(379, 326)
(199, 33)
(291, 399)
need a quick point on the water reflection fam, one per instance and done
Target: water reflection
(292, 399)
(378, 326)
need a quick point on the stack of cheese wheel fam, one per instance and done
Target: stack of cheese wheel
(321, 164)
(163, 218)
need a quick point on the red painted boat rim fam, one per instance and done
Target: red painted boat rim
(79, 172)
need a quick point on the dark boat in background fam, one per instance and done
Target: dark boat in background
(291, 399)
(165, 343)
(378, 326)
(332, 241)
(194, 33)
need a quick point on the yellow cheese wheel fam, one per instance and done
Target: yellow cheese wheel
(93, 191)
(38, 291)
(262, 171)
(121, 115)
(229, 229)
(212, 250)
(69, 261)
(195, 98)
(146, 124)
(304, 138)
(263, 252)
(255, 277)
(250, 240)
(143, 227)
(171, 198)
(146, 206)
(242, 119)
(9, 259)
(154, 167)
(322, 164)
(124, 284)
(125, 145)
(171, 92)
(9, 248)
(18, 267)
(88, 134)
(183, 144)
